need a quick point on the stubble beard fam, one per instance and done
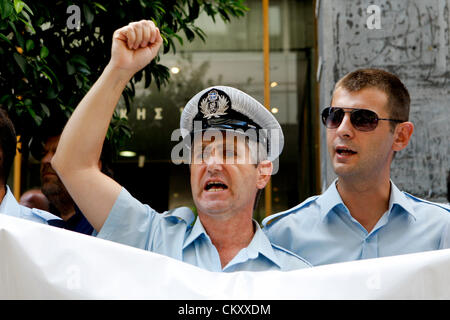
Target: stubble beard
(56, 193)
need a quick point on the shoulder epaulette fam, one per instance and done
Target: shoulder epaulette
(181, 214)
(277, 216)
(291, 253)
(440, 205)
(44, 214)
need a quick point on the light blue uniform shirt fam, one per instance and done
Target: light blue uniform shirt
(322, 231)
(11, 207)
(172, 234)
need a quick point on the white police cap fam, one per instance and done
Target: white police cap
(227, 108)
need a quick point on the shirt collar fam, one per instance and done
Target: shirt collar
(398, 198)
(331, 199)
(197, 231)
(260, 244)
(9, 204)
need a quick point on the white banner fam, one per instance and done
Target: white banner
(42, 262)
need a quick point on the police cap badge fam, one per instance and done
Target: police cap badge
(226, 108)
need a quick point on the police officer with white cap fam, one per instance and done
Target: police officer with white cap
(231, 141)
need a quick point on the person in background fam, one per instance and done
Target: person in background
(8, 204)
(61, 203)
(52, 187)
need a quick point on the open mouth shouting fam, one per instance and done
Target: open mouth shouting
(215, 186)
(344, 152)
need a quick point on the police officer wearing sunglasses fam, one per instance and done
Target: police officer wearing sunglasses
(363, 214)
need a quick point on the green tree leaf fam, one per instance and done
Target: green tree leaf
(44, 53)
(6, 9)
(18, 5)
(98, 5)
(88, 14)
(4, 38)
(29, 45)
(21, 62)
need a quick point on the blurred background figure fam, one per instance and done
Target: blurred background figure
(34, 198)
(8, 203)
(60, 201)
(54, 190)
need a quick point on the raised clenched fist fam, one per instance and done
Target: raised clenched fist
(135, 45)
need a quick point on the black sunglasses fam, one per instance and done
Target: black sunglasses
(361, 119)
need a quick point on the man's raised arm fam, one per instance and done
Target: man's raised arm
(78, 153)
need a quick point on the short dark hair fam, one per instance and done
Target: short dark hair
(105, 155)
(398, 96)
(8, 145)
(53, 127)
